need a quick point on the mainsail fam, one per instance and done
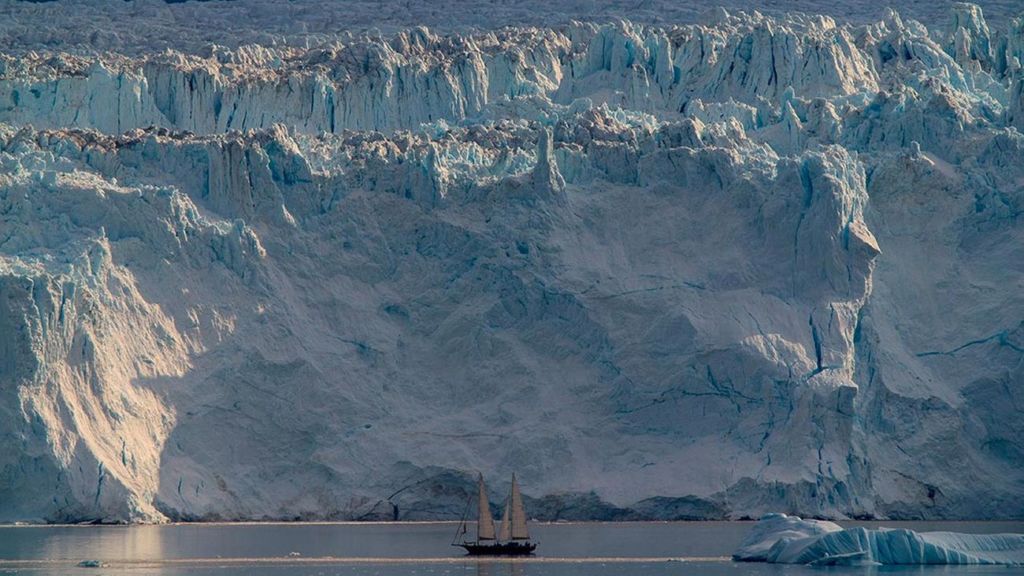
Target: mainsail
(513, 521)
(485, 526)
(518, 513)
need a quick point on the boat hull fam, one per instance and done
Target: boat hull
(502, 549)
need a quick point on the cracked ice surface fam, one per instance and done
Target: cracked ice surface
(662, 271)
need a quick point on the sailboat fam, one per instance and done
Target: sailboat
(512, 537)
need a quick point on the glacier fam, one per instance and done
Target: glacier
(782, 539)
(754, 263)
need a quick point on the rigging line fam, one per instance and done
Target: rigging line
(462, 523)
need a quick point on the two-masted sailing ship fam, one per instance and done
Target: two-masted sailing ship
(511, 539)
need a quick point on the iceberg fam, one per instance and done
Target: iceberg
(783, 539)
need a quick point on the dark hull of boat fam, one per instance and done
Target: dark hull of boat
(504, 549)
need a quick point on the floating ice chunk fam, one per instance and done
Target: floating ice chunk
(776, 527)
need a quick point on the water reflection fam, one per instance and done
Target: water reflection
(402, 549)
(76, 543)
(500, 567)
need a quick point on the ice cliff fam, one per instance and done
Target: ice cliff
(695, 271)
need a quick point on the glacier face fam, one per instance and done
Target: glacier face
(698, 271)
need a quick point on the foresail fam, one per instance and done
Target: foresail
(485, 525)
(519, 531)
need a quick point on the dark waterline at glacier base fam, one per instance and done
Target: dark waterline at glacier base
(385, 549)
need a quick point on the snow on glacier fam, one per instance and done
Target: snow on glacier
(662, 271)
(782, 539)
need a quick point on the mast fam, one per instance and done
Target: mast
(519, 531)
(485, 524)
(505, 534)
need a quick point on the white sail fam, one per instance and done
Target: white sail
(519, 531)
(505, 533)
(485, 525)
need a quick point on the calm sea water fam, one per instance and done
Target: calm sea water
(590, 549)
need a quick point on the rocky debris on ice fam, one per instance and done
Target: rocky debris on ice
(672, 272)
(782, 539)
